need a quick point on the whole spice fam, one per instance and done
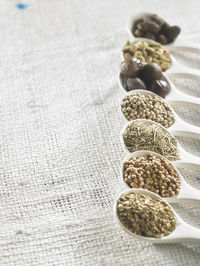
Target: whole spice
(154, 27)
(135, 83)
(152, 137)
(153, 173)
(135, 106)
(160, 87)
(130, 67)
(145, 216)
(148, 52)
(150, 72)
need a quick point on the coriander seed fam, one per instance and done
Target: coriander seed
(158, 175)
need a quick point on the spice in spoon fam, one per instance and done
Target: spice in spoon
(153, 173)
(145, 216)
(135, 106)
(152, 137)
(156, 28)
(148, 52)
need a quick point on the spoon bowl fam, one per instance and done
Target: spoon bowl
(179, 127)
(186, 191)
(175, 96)
(185, 157)
(175, 68)
(183, 231)
(178, 43)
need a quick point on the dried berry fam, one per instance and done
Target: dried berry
(148, 52)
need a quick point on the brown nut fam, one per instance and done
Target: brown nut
(150, 72)
(135, 84)
(130, 67)
(160, 87)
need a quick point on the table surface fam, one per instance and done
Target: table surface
(59, 135)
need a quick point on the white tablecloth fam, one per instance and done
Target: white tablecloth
(59, 135)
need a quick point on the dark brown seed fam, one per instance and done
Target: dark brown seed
(137, 22)
(140, 26)
(164, 28)
(138, 33)
(160, 87)
(150, 72)
(149, 35)
(157, 19)
(135, 84)
(172, 33)
(150, 26)
(162, 39)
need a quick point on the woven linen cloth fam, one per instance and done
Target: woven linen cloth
(60, 133)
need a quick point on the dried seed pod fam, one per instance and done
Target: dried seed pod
(144, 50)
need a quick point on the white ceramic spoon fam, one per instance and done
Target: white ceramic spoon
(185, 157)
(180, 127)
(175, 67)
(183, 231)
(186, 191)
(174, 95)
(179, 43)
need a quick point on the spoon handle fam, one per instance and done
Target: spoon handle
(185, 232)
(187, 158)
(182, 128)
(181, 44)
(176, 96)
(177, 68)
(188, 192)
